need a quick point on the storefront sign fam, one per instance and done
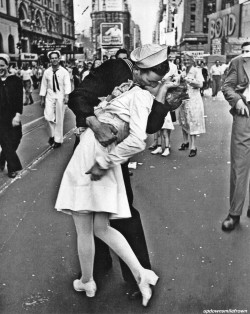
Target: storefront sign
(49, 46)
(29, 56)
(111, 5)
(198, 54)
(216, 47)
(111, 34)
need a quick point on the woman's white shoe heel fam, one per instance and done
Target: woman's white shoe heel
(148, 278)
(89, 287)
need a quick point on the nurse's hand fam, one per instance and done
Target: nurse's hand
(105, 133)
(96, 173)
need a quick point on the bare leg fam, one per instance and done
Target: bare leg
(158, 149)
(185, 136)
(155, 142)
(165, 142)
(192, 140)
(166, 137)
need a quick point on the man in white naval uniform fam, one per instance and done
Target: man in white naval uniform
(54, 92)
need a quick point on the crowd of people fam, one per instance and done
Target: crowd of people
(117, 103)
(54, 97)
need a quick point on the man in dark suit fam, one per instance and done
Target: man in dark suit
(99, 83)
(11, 108)
(236, 90)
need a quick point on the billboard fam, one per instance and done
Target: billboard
(111, 34)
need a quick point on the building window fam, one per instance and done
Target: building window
(68, 29)
(209, 7)
(11, 44)
(1, 3)
(57, 7)
(193, 7)
(50, 25)
(39, 19)
(192, 23)
(21, 13)
(65, 28)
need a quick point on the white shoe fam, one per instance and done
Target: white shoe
(89, 287)
(158, 150)
(148, 277)
(166, 152)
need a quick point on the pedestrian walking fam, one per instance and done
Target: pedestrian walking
(34, 76)
(26, 75)
(11, 108)
(236, 90)
(216, 73)
(204, 72)
(110, 74)
(93, 183)
(40, 74)
(55, 88)
(191, 112)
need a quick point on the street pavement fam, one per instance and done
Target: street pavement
(182, 202)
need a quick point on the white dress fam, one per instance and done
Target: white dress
(191, 112)
(128, 113)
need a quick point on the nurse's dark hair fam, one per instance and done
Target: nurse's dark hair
(246, 43)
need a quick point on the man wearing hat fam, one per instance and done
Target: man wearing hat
(55, 88)
(11, 108)
(149, 65)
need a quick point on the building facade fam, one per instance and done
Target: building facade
(229, 27)
(9, 28)
(183, 25)
(112, 27)
(207, 27)
(39, 26)
(191, 25)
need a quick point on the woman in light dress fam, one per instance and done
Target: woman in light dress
(93, 191)
(191, 112)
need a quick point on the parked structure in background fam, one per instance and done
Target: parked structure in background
(229, 27)
(206, 27)
(183, 24)
(29, 29)
(107, 14)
